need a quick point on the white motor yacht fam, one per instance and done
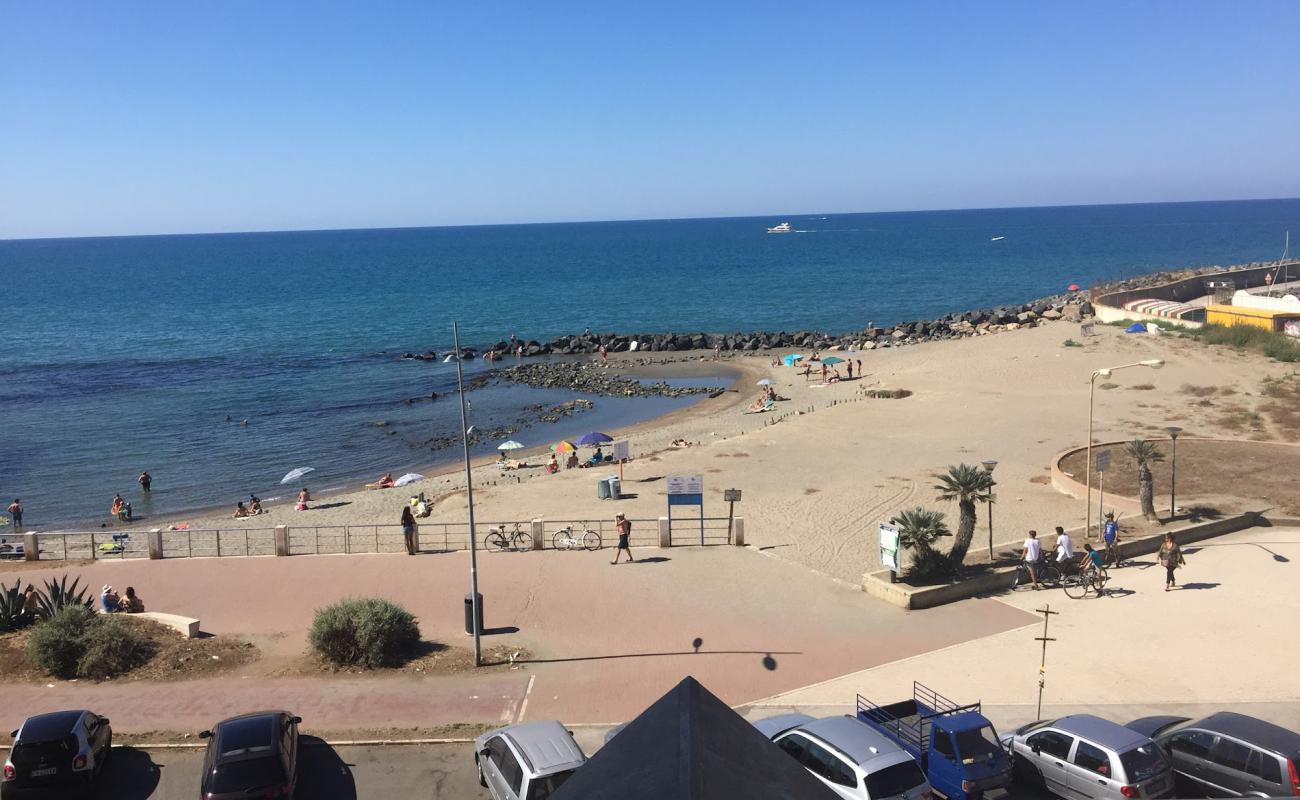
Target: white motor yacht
(784, 227)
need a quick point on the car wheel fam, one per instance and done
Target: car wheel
(482, 781)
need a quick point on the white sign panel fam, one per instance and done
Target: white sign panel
(685, 484)
(889, 546)
(622, 450)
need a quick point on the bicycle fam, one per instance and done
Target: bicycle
(1079, 584)
(568, 539)
(1048, 573)
(516, 540)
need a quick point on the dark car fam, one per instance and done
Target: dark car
(1228, 755)
(254, 755)
(57, 755)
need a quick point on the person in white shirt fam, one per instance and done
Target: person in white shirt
(1033, 549)
(1064, 547)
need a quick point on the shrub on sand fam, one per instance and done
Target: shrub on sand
(367, 632)
(78, 643)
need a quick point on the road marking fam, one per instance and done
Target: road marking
(524, 705)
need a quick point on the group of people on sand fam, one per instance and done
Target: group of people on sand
(253, 508)
(111, 602)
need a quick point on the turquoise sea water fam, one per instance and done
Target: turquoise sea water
(123, 354)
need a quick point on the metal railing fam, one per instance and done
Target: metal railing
(349, 539)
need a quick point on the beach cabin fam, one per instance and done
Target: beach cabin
(1270, 319)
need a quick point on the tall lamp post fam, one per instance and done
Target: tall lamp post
(469, 497)
(1174, 430)
(988, 467)
(1153, 363)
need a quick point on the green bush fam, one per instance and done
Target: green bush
(366, 632)
(1274, 345)
(78, 643)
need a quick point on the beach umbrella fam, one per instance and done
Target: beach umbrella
(410, 477)
(766, 382)
(832, 361)
(563, 447)
(790, 359)
(295, 474)
(1074, 287)
(593, 439)
(510, 444)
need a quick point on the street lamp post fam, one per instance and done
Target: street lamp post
(988, 467)
(1153, 363)
(469, 497)
(1174, 430)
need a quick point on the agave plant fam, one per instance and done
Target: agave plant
(59, 595)
(11, 607)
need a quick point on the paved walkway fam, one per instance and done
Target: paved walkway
(1223, 639)
(605, 641)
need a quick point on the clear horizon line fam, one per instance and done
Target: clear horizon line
(632, 219)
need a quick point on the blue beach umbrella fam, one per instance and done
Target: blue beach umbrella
(594, 438)
(790, 359)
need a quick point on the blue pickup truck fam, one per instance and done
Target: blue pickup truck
(956, 746)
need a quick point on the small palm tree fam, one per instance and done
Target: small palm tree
(1144, 454)
(918, 529)
(967, 485)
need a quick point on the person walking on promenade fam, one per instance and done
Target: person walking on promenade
(145, 480)
(1171, 558)
(624, 534)
(16, 513)
(1064, 548)
(1033, 549)
(408, 529)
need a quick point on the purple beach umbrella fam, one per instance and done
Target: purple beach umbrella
(594, 438)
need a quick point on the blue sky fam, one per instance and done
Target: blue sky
(131, 117)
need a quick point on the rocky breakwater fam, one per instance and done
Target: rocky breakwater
(1070, 307)
(593, 379)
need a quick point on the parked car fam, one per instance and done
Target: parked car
(57, 755)
(1228, 755)
(852, 759)
(1083, 757)
(956, 745)
(252, 755)
(526, 762)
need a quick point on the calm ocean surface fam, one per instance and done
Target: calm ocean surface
(124, 354)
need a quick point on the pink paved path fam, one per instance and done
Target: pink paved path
(605, 640)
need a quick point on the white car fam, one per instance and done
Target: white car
(526, 762)
(854, 761)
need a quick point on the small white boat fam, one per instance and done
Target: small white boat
(997, 238)
(784, 227)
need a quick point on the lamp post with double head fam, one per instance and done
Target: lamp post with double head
(1174, 430)
(988, 467)
(1153, 363)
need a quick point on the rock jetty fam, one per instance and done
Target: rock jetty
(593, 379)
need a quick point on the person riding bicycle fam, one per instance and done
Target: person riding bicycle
(1110, 535)
(1032, 552)
(1092, 562)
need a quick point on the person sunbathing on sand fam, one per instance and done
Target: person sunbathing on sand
(304, 497)
(240, 511)
(386, 481)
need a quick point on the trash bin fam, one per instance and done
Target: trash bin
(615, 488)
(469, 614)
(602, 489)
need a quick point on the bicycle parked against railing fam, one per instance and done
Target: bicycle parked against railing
(515, 540)
(570, 539)
(1049, 574)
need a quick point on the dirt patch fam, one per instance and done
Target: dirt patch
(433, 658)
(1261, 473)
(811, 491)
(175, 657)
(1040, 479)
(457, 730)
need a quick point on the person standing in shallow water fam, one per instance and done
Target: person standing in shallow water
(145, 481)
(1171, 558)
(16, 512)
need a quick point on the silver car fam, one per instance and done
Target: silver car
(526, 762)
(854, 761)
(1082, 757)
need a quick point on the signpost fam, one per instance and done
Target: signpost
(731, 496)
(1103, 463)
(889, 549)
(685, 490)
(622, 453)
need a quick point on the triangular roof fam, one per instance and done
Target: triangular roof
(689, 745)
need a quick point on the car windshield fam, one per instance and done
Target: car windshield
(252, 735)
(894, 780)
(977, 745)
(1033, 726)
(248, 773)
(1143, 762)
(542, 788)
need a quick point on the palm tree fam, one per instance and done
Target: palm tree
(1144, 454)
(918, 529)
(967, 485)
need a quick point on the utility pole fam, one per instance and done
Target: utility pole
(469, 497)
(1047, 613)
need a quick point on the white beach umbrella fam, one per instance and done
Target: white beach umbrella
(510, 445)
(295, 474)
(766, 382)
(410, 477)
